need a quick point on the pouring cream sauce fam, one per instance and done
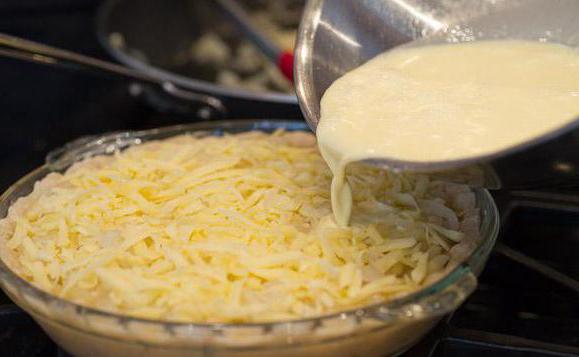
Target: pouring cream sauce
(445, 102)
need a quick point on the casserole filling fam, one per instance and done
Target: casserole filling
(237, 228)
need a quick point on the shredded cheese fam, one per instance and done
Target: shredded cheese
(231, 229)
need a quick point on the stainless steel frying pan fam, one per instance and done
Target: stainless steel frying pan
(158, 35)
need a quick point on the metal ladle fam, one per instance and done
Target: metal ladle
(26, 50)
(337, 36)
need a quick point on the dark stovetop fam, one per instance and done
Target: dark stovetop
(527, 300)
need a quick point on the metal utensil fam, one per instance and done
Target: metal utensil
(339, 35)
(22, 49)
(282, 58)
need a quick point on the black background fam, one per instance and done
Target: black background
(42, 108)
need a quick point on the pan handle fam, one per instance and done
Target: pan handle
(211, 107)
(169, 98)
(26, 50)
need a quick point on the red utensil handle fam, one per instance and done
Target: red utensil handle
(285, 63)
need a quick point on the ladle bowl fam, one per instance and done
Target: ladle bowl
(337, 36)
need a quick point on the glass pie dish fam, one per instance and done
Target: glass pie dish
(380, 329)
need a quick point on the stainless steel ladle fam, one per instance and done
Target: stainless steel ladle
(338, 35)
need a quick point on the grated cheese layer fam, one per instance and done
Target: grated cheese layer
(232, 229)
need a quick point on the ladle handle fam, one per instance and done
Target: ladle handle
(283, 59)
(26, 50)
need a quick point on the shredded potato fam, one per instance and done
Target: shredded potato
(232, 229)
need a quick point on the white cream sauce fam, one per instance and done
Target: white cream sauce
(445, 102)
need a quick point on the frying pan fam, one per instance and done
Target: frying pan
(158, 35)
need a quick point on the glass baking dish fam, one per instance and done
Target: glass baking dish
(380, 329)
